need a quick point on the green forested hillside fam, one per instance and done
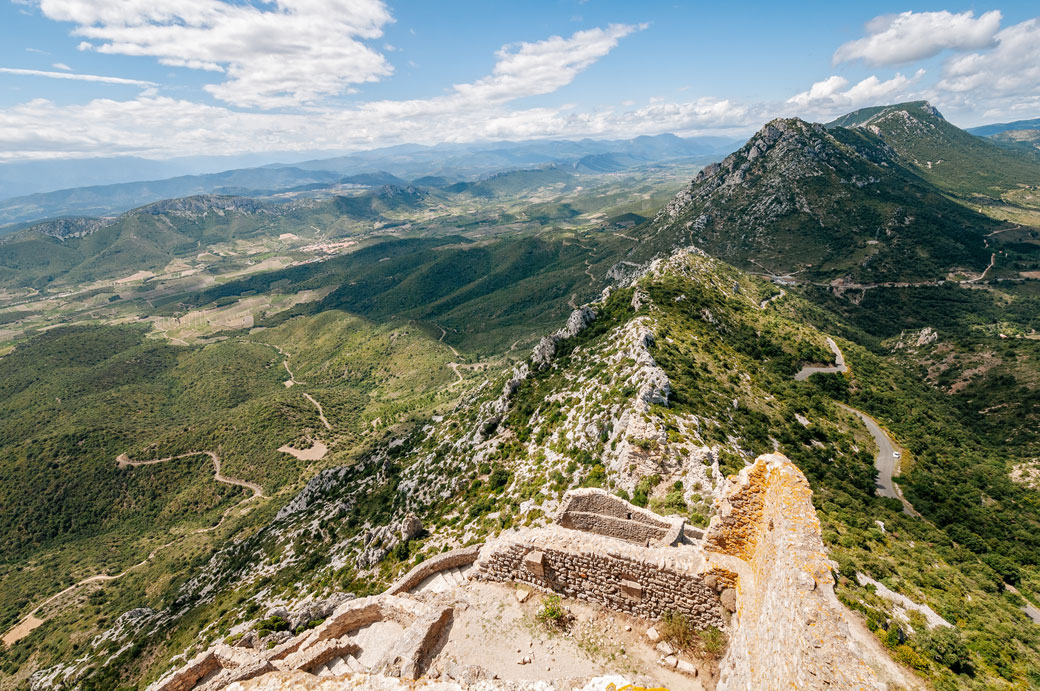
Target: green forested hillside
(943, 154)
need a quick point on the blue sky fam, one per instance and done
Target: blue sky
(162, 78)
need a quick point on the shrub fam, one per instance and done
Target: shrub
(552, 613)
(713, 640)
(909, 657)
(678, 631)
(946, 646)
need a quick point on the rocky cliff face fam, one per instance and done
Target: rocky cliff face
(200, 205)
(63, 228)
(828, 202)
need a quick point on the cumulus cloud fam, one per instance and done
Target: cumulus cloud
(909, 36)
(281, 53)
(160, 126)
(829, 95)
(77, 77)
(1011, 68)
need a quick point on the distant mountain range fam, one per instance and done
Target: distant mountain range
(990, 130)
(445, 164)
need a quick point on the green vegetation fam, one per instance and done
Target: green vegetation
(947, 156)
(840, 205)
(678, 630)
(552, 614)
(426, 315)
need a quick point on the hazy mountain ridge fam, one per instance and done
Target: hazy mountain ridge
(393, 165)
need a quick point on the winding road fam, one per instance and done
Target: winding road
(837, 368)
(887, 459)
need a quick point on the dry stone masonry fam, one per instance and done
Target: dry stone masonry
(613, 573)
(789, 630)
(596, 511)
(760, 572)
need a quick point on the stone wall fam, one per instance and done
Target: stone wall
(646, 582)
(598, 511)
(789, 631)
(440, 562)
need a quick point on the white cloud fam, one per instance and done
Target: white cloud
(61, 66)
(830, 95)
(528, 69)
(77, 77)
(909, 36)
(1000, 83)
(821, 90)
(281, 53)
(157, 126)
(1011, 68)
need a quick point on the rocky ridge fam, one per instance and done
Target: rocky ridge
(827, 202)
(598, 413)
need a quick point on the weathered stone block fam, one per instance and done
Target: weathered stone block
(631, 589)
(534, 563)
(728, 598)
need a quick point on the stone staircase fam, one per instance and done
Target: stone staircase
(347, 664)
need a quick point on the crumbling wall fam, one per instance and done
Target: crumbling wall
(463, 556)
(620, 576)
(789, 631)
(597, 511)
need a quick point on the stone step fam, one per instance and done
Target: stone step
(353, 664)
(339, 667)
(457, 577)
(322, 670)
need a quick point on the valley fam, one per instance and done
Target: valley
(216, 408)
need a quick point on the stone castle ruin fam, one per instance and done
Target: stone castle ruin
(759, 572)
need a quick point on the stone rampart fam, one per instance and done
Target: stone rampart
(598, 511)
(618, 575)
(789, 630)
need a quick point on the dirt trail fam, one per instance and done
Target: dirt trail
(321, 411)
(453, 365)
(124, 461)
(32, 622)
(292, 381)
(441, 340)
(992, 260)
